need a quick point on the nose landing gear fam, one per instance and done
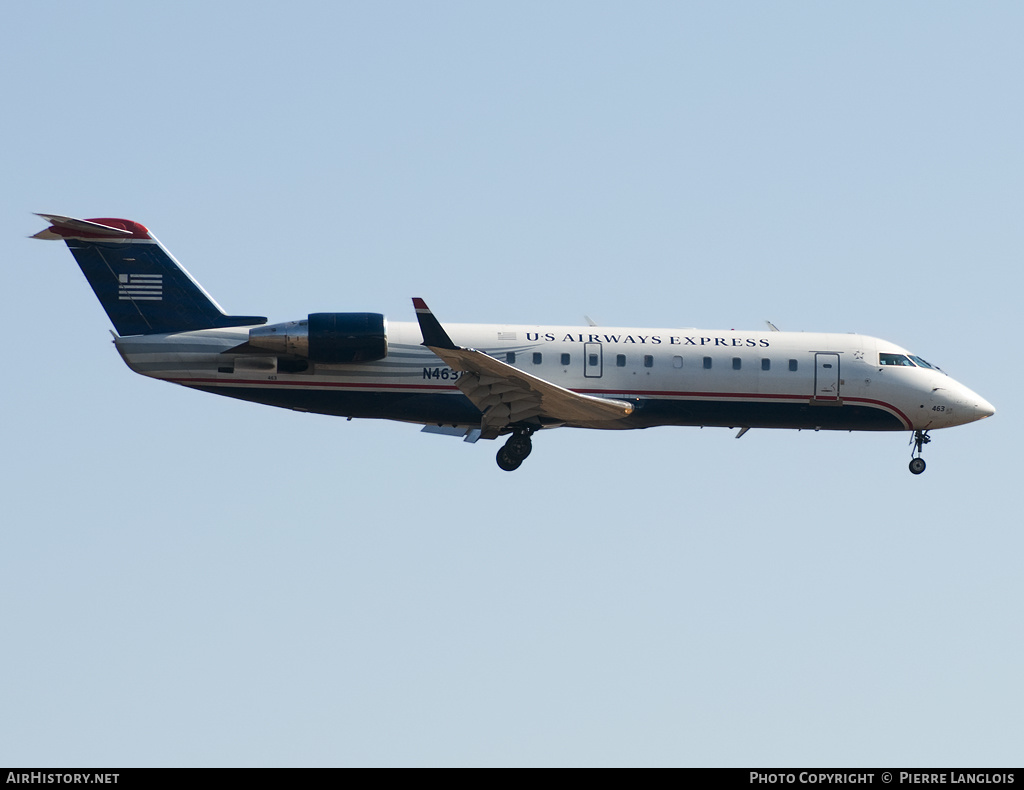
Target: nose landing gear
(519, 445)
(920, 439)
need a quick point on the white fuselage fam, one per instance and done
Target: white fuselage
(675, 376)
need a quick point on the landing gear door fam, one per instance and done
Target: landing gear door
(593, 360)
(826, 378)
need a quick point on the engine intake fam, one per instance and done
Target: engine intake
(327, 338)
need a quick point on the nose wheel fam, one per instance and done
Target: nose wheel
(917, 464)
(519, 445)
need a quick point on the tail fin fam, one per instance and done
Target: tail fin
(140, 285)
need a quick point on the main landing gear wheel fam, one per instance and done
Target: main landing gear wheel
(516, 449)
(507, 462)
(920, 439)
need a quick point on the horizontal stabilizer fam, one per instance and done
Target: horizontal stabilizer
(67, 227)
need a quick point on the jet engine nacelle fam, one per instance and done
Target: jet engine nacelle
(328, 338)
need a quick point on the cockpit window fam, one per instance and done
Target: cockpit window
(895, 359)
(922, 363)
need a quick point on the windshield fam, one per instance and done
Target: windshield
(906, 360)
(895, 359)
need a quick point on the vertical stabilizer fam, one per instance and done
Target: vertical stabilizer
(139, 283)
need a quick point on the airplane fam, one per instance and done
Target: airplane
(485, 381)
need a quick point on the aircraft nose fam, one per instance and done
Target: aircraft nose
(984, 409)
(976, 406)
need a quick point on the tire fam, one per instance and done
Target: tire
(507, 462)
(519, 447)
(917, 465)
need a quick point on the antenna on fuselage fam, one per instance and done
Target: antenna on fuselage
(772, 326)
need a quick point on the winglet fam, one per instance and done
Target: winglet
(434, 335)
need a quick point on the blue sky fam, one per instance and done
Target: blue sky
(188, 580)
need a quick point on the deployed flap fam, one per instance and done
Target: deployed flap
(507, 395)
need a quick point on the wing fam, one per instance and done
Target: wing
(508, 396)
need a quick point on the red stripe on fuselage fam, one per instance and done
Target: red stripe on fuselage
(712, 396)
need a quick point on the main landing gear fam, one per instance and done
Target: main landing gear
(519, 445)
(920, 439)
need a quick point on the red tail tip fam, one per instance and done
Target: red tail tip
(137, 229)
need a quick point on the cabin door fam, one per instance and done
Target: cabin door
(593, 360)
(826, 377)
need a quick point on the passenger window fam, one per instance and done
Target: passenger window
(648, 361)
(593, 360)
(677, 362)
(766, 364)
(737, 363)
(537, 357)
(565, 359)
(510, 357)
(707, 363)
(792, 364)
(620, 360)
